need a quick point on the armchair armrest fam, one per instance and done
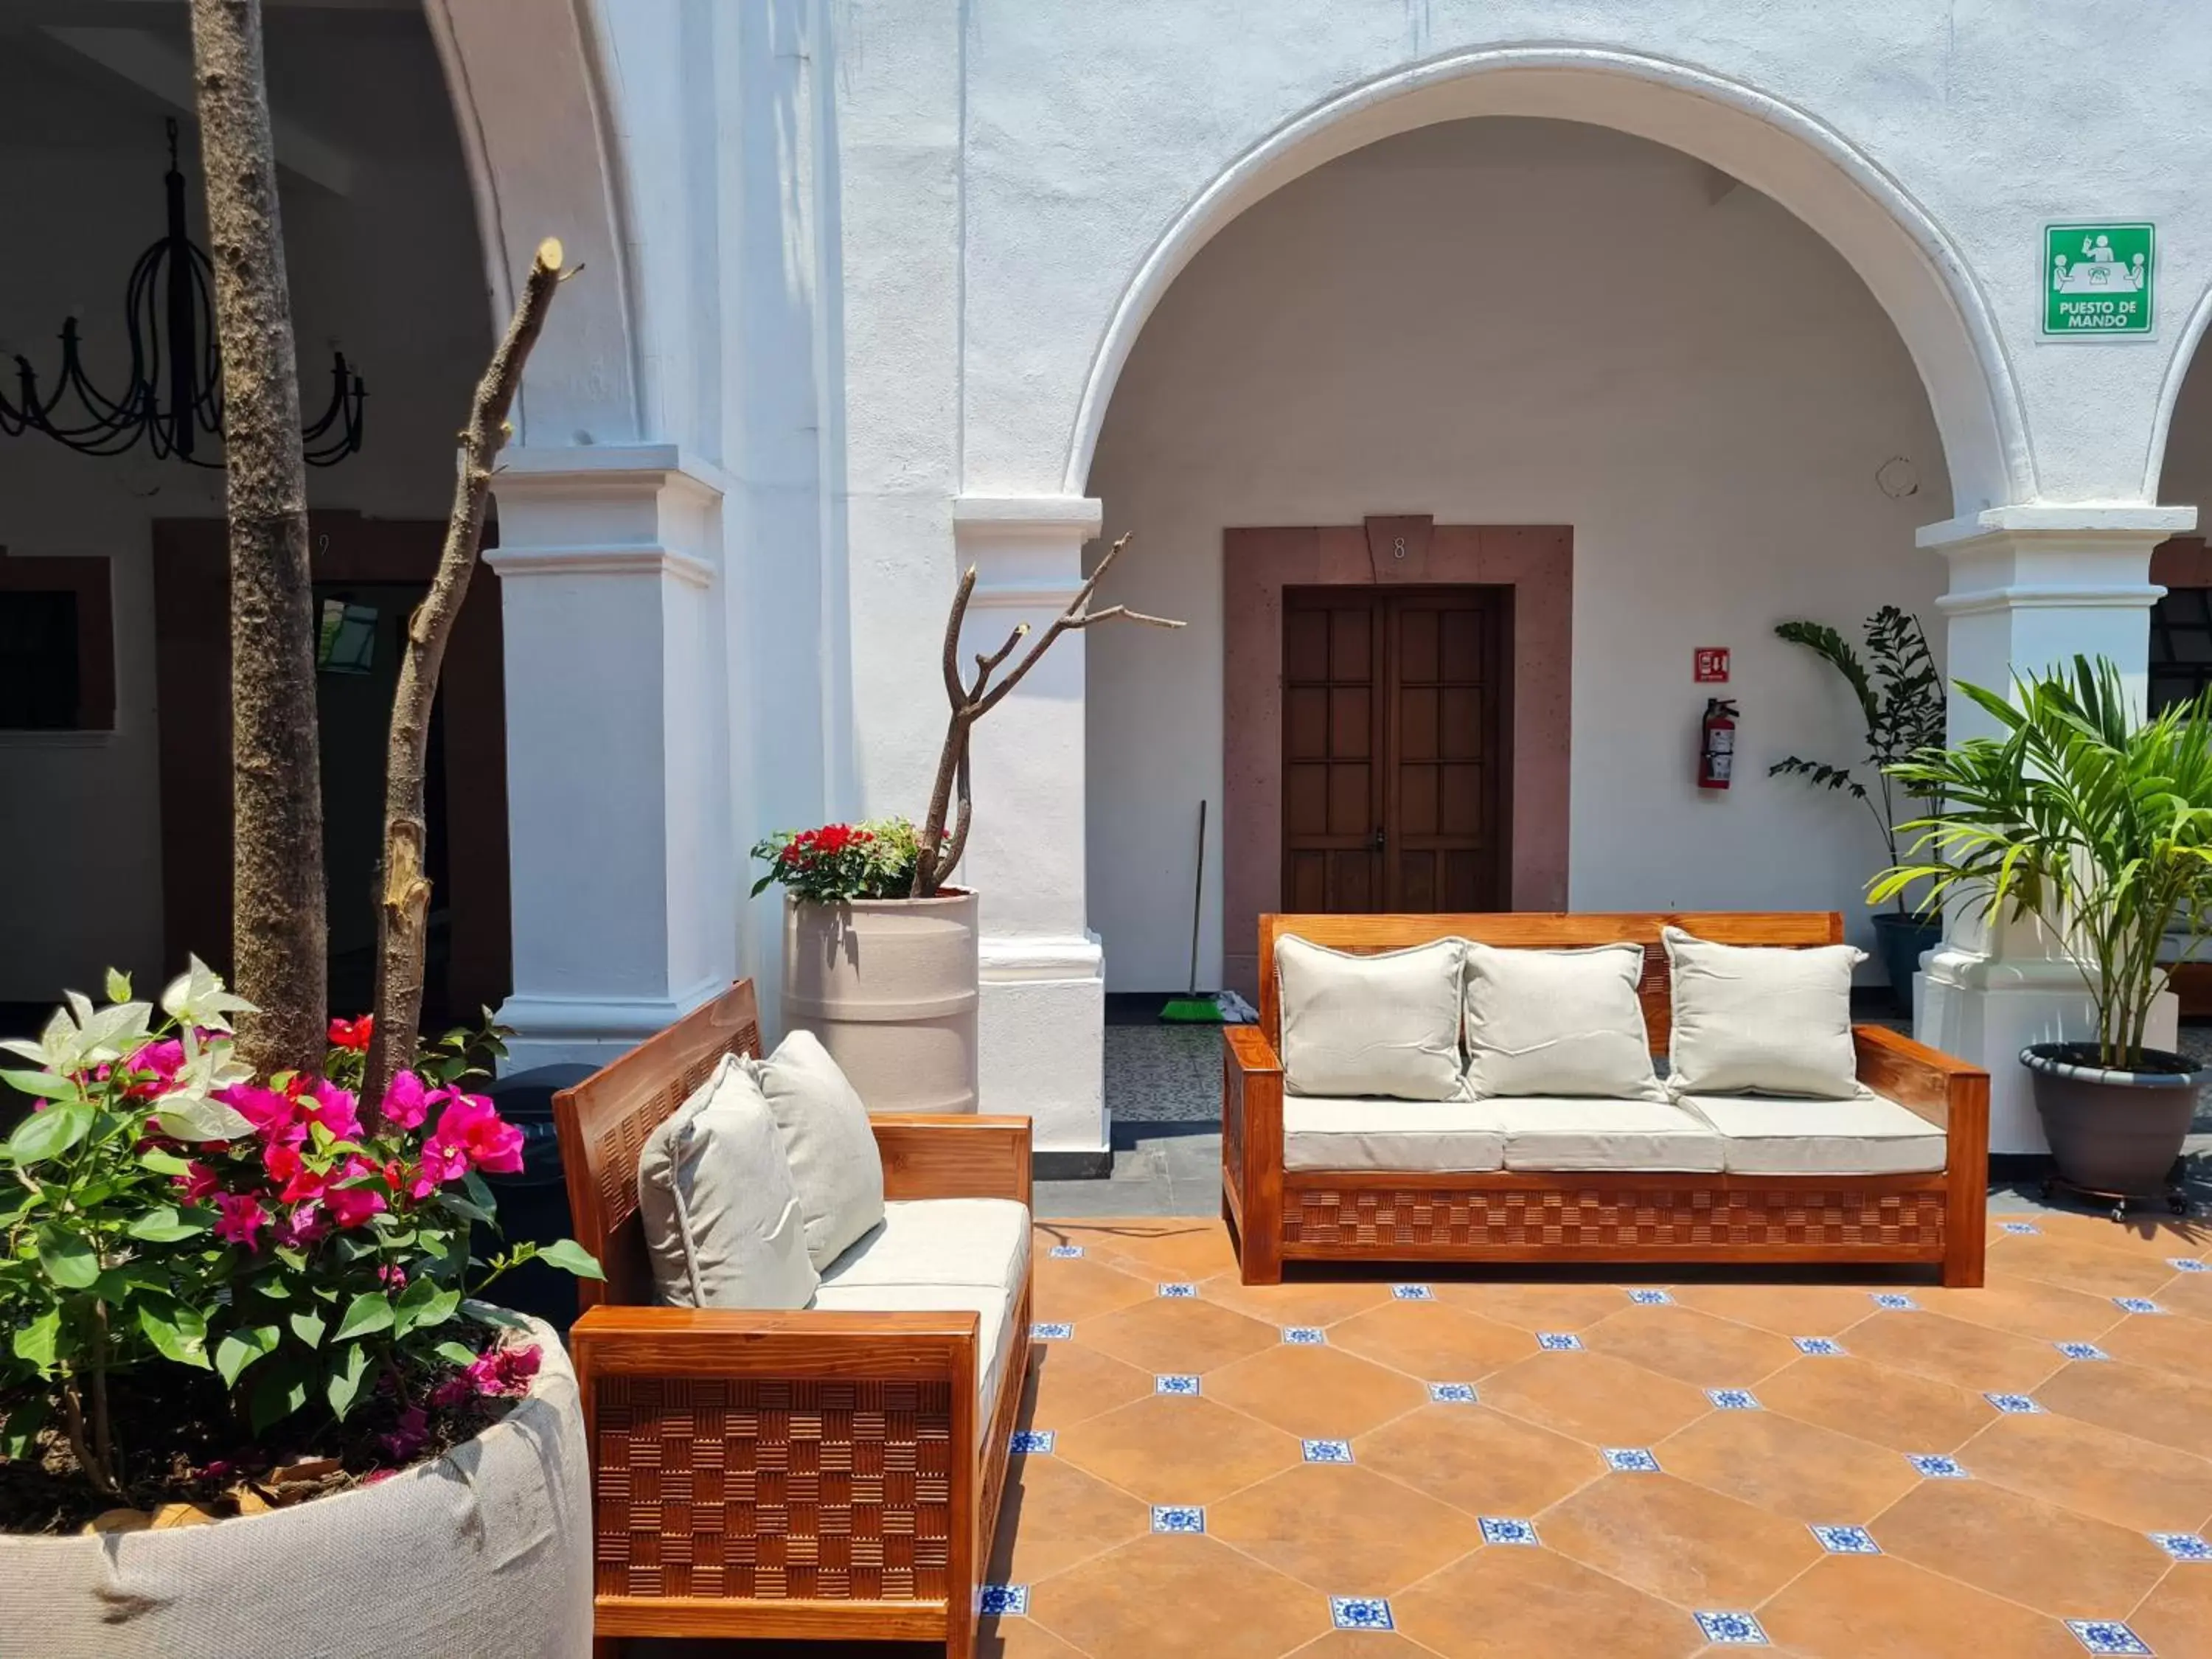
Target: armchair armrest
(815, 1343)
(941, 1155)
(1252, 1150)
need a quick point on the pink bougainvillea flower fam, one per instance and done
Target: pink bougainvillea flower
(335, 1109)
(500, 1369)
(198, 1183)
(407, 1435)
(239, 1218)
(304, 1225)
(157, 1064)
(354, 1034)
(406, 1102)
(487, 1140)
(296, 1181)
(351, 1207)
(392, 1276)
(274, 1118)
(443, 1162)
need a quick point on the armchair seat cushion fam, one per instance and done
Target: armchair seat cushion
(1762, 1134)
(1367, 1133)
(1624, 1136)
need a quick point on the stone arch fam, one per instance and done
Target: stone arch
(531, 100)
(1896, 247)
(2170, 392)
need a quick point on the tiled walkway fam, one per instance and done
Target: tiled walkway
(1466, 1466)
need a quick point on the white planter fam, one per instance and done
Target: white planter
(486, 1551)
(888, 986)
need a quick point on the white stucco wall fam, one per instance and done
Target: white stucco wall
(1511, 321)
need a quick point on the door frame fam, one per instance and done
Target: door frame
(1535, 561)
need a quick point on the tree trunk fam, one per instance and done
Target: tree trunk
(279, 932)
(404, 904)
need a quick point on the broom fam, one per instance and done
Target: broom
(1191, 1008)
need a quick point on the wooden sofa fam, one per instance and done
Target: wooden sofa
(790, 1474)
(1280, 1215)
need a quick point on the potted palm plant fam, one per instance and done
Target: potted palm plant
(2097, 825)
(1900, 697)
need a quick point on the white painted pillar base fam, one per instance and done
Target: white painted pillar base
(2031, 587)
(618, 776)
(1041, 1020)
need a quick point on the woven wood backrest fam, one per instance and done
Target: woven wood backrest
(1541, 930)
(603, 1121)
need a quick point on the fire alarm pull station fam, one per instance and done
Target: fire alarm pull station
(1717, 750)
(1712, 665)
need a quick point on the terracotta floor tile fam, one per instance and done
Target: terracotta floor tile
(1509, 1602)
(1069, 1383)
(1892, 1408)
(1085, 1290)
(1170, 1450)
(1343, 1531)
(1594, 1398)
(1174, 1597)
(1165, 1248)
(2165, 1342)
(1542, 1307)
(1053, 1515)
(2143, 1233)
(1321, 1393)
(1161, 1334)
(1362, 1644)
(1432, 1342)
(2026, 1307)
(2067, 1565)
(1679, 1540)
(1972, 1357)
(1799, 1470)
(2079, 1265)
(1691, 1346)
(2115, 1477)
(1312, 1302)
(2175, 1620)
(2151, 1405)
(2186, 1293)
(1881, 1607)
(1785, 1310)
(1005, 1639)
(1482, 1461)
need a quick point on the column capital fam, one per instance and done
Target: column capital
(2081, 525)
(608, 509)
(1026, 518)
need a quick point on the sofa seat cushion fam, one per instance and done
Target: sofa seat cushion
(1438, 1135)
(1762, 1134)
(1625, 1136)
(941, 1256)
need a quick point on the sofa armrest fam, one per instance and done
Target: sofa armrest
(1924, 1080)
(1252, 1149)
(940, 1156)
(812, 1343)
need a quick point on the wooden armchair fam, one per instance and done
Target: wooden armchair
(780, 1475)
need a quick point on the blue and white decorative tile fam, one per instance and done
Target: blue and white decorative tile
(1412, 1293)
(1846, 1541)
(1731, 1630)
(2184, 1546)
(2136, 1304)
(1003, 1601)
(1180, 1382)
(1734, 1400)
(1066, 1252)
(1180, 1293)
(1650, 1298)
(1452, 1394)
(1304, 1336)
(1178, 1517)
(1895, 1301)
(1326, 1452)
(1558, 1342)
(1058, 1330)
(2188, 1264)
(2107, 1636)
(1359, 1612)
(1936, 1466)
(1822, 1347)
(1631, 1460)
(2019, 1229)
(2014, 1405)
(1504, 1530)
(1033, 1442)
(2081, 1350)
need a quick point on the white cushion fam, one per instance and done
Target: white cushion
(1763, 1135)
(715, 1196)
(1589, 1135)
(983, 1242)
(1558, 1022)
(826, 1136)
(1387, 1024)
(1757, 1020)
(1389, 1134)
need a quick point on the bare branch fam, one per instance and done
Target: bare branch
(1112, 611)
(952, 626)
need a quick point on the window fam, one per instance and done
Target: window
(57, 646)
(2180, 645)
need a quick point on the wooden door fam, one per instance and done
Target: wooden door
(1395, 768)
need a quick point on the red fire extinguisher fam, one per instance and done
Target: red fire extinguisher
(1717, 750)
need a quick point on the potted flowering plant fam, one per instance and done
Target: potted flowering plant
(223, 1295)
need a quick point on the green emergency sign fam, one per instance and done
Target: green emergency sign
(2097, 279)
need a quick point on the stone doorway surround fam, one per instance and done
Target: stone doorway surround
(1535, 561)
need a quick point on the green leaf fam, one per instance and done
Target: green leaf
(459, 1353)
(308, 1328)
(177, 1333)
(571, 1257)
(49, 1133)
(366, 1314)
(37, 1341)
(479, 1192)
(280, 1390)
(424, 1306)
(24, 1422)
(168, 1224)
(466, 1210)
(68, 1260)
(119, 985)
(241, 1348)
(45, 1084)
(162, 1161)
(343, 1385)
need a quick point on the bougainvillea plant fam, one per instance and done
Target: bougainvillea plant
(841, 861)
(169, 1221)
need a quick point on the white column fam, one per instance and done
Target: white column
(618, 769)
(1041, 1021)
(2031, 588)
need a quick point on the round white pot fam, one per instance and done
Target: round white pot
(486, 1551)
(888, 986)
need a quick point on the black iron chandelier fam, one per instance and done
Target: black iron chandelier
(174, 398)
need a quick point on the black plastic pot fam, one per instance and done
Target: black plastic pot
(2112, 1130)
(533, 1204)
(1900, 940)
